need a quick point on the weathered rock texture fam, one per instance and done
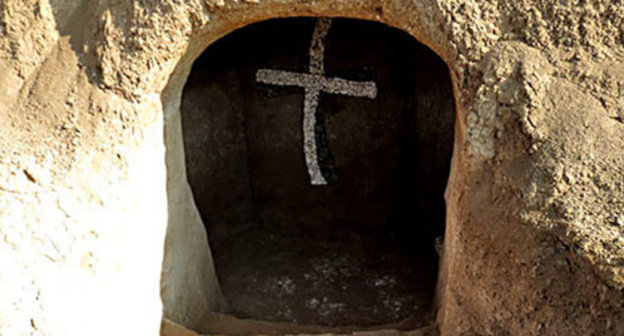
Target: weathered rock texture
(534, 241)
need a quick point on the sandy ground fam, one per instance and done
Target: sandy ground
(346, 279)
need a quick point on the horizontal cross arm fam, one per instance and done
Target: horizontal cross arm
(331, 85)
(289, 78)
(350, 88)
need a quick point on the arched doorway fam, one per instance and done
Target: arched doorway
(318, 151)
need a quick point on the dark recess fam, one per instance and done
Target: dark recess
(365, 243)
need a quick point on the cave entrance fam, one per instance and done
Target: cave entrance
(318, 152)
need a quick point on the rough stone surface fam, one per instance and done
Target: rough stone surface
(189, 284)
(534, 241)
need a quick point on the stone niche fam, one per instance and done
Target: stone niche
(318, 152)
(94, 180)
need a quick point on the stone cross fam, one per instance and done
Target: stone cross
(314, 82)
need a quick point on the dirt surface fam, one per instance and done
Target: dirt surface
(534, 241)
(223, 325)
(348, 280)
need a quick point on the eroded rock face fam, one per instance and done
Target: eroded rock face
(534, 241)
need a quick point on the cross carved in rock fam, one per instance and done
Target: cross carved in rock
(314, 82)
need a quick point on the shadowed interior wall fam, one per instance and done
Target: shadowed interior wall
(537, 170)
(243, 139)
(386, 159)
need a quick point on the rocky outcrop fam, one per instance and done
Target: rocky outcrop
(535, 234)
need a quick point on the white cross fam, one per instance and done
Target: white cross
(313, 83)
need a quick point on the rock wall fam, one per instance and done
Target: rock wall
(189, 285)
(534, 241)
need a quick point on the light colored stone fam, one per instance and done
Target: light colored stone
(537, 83)
(189, 285)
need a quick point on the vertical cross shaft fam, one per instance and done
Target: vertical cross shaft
(311, 100)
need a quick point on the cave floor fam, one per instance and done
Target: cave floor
(343, 279)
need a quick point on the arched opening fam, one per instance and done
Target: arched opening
(318, 151)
